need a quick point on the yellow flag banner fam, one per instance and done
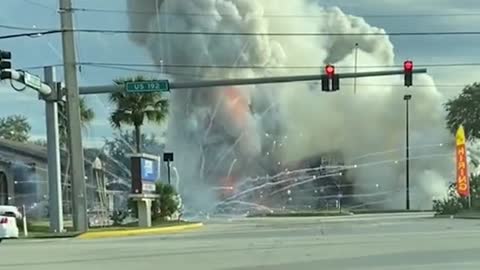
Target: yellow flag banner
(463, 184)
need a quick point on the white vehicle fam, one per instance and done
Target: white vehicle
(8, 222)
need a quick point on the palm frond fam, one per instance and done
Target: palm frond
(119, 117)
(163, 105)
(155, 116)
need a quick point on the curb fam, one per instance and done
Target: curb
(466, 217)
(136, 232)
(292, 215)
(457, 217)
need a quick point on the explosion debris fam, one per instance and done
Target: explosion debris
(259, 128)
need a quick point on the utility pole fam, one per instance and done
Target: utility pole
(73, 113)
(53, 151)
(407, 152)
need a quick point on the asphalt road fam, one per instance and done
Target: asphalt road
(357, 242)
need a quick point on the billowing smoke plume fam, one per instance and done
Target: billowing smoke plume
(218, 132)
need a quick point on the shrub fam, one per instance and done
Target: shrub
(453, 203)
(167, 204)
(447, 206)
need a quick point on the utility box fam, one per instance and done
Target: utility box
(145, 171)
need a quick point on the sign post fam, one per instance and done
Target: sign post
(340, 196)
(145, 171)
(168, 157)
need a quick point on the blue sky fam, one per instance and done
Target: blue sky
(41, 51)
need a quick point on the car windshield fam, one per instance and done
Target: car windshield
(239, 134)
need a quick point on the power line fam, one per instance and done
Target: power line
(126, 68)
(15, 27)
(299, 16)
(41, 67)
(178, 74)
(277, 34)
(39, 4)
(31, 34)
(204, 33)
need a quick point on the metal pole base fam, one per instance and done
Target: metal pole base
(144, 213)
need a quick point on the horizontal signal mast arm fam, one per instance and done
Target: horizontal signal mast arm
(19, 76)
(248, 81)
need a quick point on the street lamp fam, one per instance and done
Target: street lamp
(407, 98)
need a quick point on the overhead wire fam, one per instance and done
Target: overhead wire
(209, 33)
(120, 31)
(128, 66)
(30, 34)
(14, 27)
(41, 5)
(301, 16)
(277, 34)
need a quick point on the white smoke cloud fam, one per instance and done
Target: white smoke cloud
(208, 139)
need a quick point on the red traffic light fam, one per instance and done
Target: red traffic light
(408, 66)
(330, 70)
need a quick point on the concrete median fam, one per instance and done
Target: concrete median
(139, 231)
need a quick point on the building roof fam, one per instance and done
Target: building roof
(40, 152)
(25, 149)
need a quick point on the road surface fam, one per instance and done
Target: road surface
(357, 242)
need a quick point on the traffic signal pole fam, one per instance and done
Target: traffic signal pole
(49, 92)
(104, 89)
(55, 202)
(407, 98)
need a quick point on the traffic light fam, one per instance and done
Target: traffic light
(408, 70)
(5, 58)
(332, 81)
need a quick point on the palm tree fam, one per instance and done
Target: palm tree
(133, 108)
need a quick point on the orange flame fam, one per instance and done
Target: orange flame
(238, 106)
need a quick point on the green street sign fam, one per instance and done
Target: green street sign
(147, 86)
